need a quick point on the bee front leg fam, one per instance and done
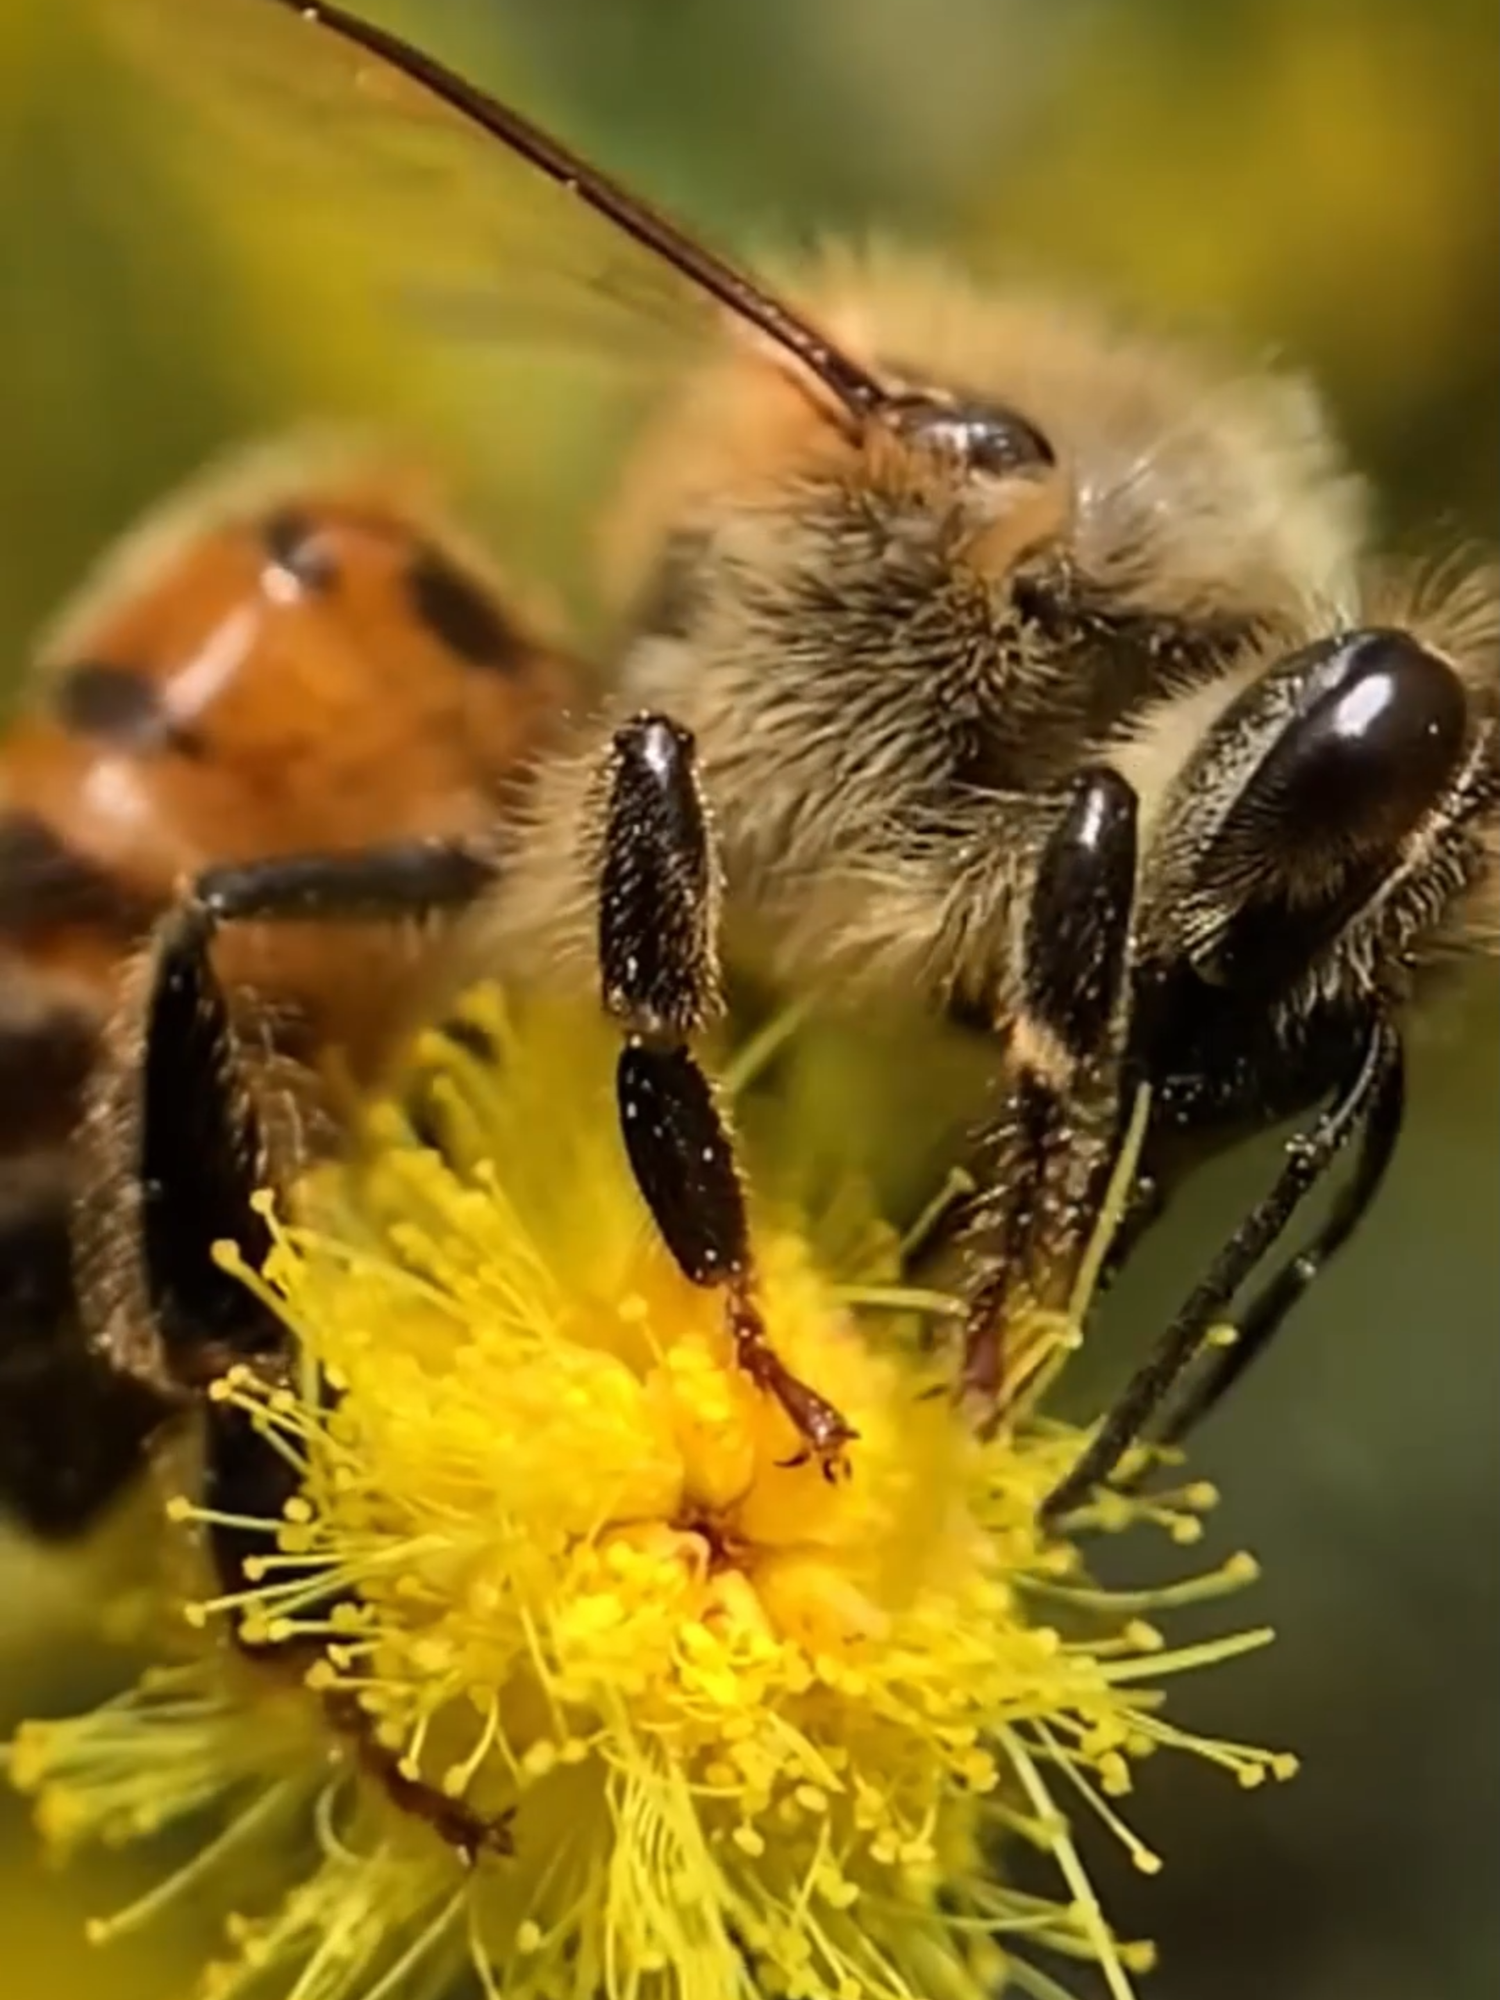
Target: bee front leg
(658, 896)
(1049, 1151)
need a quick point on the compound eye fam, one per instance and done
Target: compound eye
(1376, 734)
(1370, 729)
(982, 437)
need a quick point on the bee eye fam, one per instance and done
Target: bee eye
(1366, 731)
(982, 437)
(1376, 732)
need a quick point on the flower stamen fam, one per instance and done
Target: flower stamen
(611, 1698)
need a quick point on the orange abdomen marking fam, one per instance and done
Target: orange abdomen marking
(313, 665)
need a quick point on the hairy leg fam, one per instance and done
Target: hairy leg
(659, 978)
(1049, 1149)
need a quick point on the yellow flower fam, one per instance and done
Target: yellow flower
(562, 1678)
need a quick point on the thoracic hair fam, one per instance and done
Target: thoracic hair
(888, 662)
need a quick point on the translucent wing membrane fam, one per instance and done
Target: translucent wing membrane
(458, 206)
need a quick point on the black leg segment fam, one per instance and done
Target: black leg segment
(1050, 1146)
(657, 886)
(1262, 1318)
(659, 978)
(1078, 925)
(406, 878)
(683, 1161)
(176, 1133)
(200, 1160)
(1309, 1157)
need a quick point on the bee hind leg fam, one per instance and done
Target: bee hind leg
(174, 1157)
(175, 1141)
(658, 896)
(176, 1134)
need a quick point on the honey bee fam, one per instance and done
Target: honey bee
(301, 650)
(972, 647)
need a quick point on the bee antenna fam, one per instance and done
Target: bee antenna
(853, 387)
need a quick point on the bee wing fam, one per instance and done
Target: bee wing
(428, 210)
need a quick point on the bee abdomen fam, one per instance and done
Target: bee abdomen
(72, 1431)
(47, 885)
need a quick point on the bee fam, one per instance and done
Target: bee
(971, 647)
(300, 650)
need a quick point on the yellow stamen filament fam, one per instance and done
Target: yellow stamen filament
(749, 1733)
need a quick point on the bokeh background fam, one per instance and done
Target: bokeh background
(1316, 179)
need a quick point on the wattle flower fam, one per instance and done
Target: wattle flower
(563, 1679)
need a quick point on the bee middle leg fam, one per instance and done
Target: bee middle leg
(1369, 1100)
(1050, 1149)
(658, 894)
(1257, 1324)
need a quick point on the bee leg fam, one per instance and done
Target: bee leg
(196, 1151)
(1049, 1151)
(659, 979)
(404, 878)
(176, 1121)
(175, 1156)
(1365, 1097)
(1262, 1317)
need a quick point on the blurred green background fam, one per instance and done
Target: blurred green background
(1316, 180)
